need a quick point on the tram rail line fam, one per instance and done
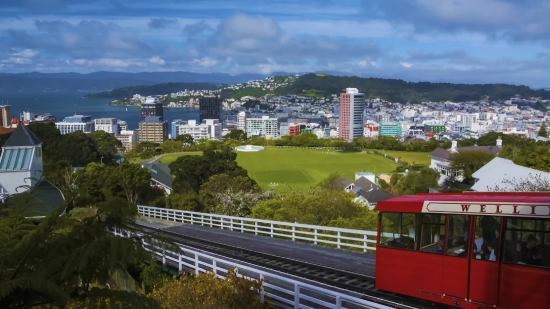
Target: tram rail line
(350, 281)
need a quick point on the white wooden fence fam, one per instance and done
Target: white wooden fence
(315, 234)
(281, 290)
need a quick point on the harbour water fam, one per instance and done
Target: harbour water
(63, 104)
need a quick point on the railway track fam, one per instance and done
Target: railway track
(350, 281)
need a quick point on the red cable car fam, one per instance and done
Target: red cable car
(469, 250)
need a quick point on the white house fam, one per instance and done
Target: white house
(441, 157)
(497, 171)
(20, 168)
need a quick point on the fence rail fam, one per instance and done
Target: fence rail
(282, 291)
(315, 234)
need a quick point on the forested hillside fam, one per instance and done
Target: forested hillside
(395, 90)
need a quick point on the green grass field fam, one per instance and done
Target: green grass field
(303, 168)
(416, 157)
(171, 157)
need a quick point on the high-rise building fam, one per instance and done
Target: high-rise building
(241, 121)
(392, 129)
(152, 107)
(5, 116)
(75, 123)
(352, 105)
(153, 129)
(265, 127)
(210, 108)
(174, 127)
(207, 129)
(109, 125)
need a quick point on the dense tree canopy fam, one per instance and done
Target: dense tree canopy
(412, 182)
(468, 162)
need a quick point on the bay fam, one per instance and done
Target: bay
(63, 104)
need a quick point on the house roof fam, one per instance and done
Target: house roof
(22, 136)
(43, 199)
(160, 172)
(341, 183)
(371, 191)
(497, 170)
(6, 130)
(446, 154)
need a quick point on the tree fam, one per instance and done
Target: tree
(107, 145)
(468, 162)
(50, 137)
(78, 148)
(132, 179)
(413, 182)
(533, 183)
(171, 146)
(186, 139)
(238, 135)
(192, 171)
(206, 291)
(542, 131)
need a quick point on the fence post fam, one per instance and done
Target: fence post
(214, 267)
(271, 231)
(255, 227)
(197, 269)
(242, 225)
(231, 224)
(293, 232)
(314, 236)
(365, 243)
(202, 220)
(296, 296)
(262, 290)
(180, 263)
(338, 239)
(338, 302)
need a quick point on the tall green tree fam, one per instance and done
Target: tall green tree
(78, 149)
(107, 146)
(413, 182)
(468, 162)
(186, 139)
(542, 131)
(239, 135)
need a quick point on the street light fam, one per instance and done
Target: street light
(101, 159)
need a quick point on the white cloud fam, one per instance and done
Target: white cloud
(157, 60)
(17, 60)
(205, 62)
(405, 64)
(27, 53)
(109, 63)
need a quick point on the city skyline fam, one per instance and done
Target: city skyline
(496, 41)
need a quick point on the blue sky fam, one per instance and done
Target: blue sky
(472, 41)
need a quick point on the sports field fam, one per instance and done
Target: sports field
(410, 157)
(302, 168)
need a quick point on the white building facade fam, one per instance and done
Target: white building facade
(109, 125)
(75, 123)
(265, 127)
(209, 129)
(241, 121)
(129, 139)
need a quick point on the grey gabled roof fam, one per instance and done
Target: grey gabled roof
(160, 172)
(446, 154)
(40, 201)
(22, 137)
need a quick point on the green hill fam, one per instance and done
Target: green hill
(395, 90)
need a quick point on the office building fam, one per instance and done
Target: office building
(129, 139)
(290, 129)
(241, 121)
(352, 105)
(174, 127)
(75, 123)
(122, 125)
(207, 129)
(109, 125)
(5, 116)
(210, 108)
(152, 107)
(264, 127)
(392, 129)
(153, 129)
(434, 128)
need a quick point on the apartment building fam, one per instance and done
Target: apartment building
(153, 129)
(174, 127)
(291, 129)
(129, 139)
(75, 123)
(210, 108)
(208, 129)
(152, 107)
(352, 105)
(264, 127)
(241, 121)
(109, 125)
(5, 116)
(392, 129)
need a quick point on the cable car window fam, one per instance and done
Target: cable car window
(457, 233)
(527, 241)
(486, 238)
(397, 231)
(432, 233)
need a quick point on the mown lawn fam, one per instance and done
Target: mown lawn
(303, 168)
(416, 157)
(171, 157)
